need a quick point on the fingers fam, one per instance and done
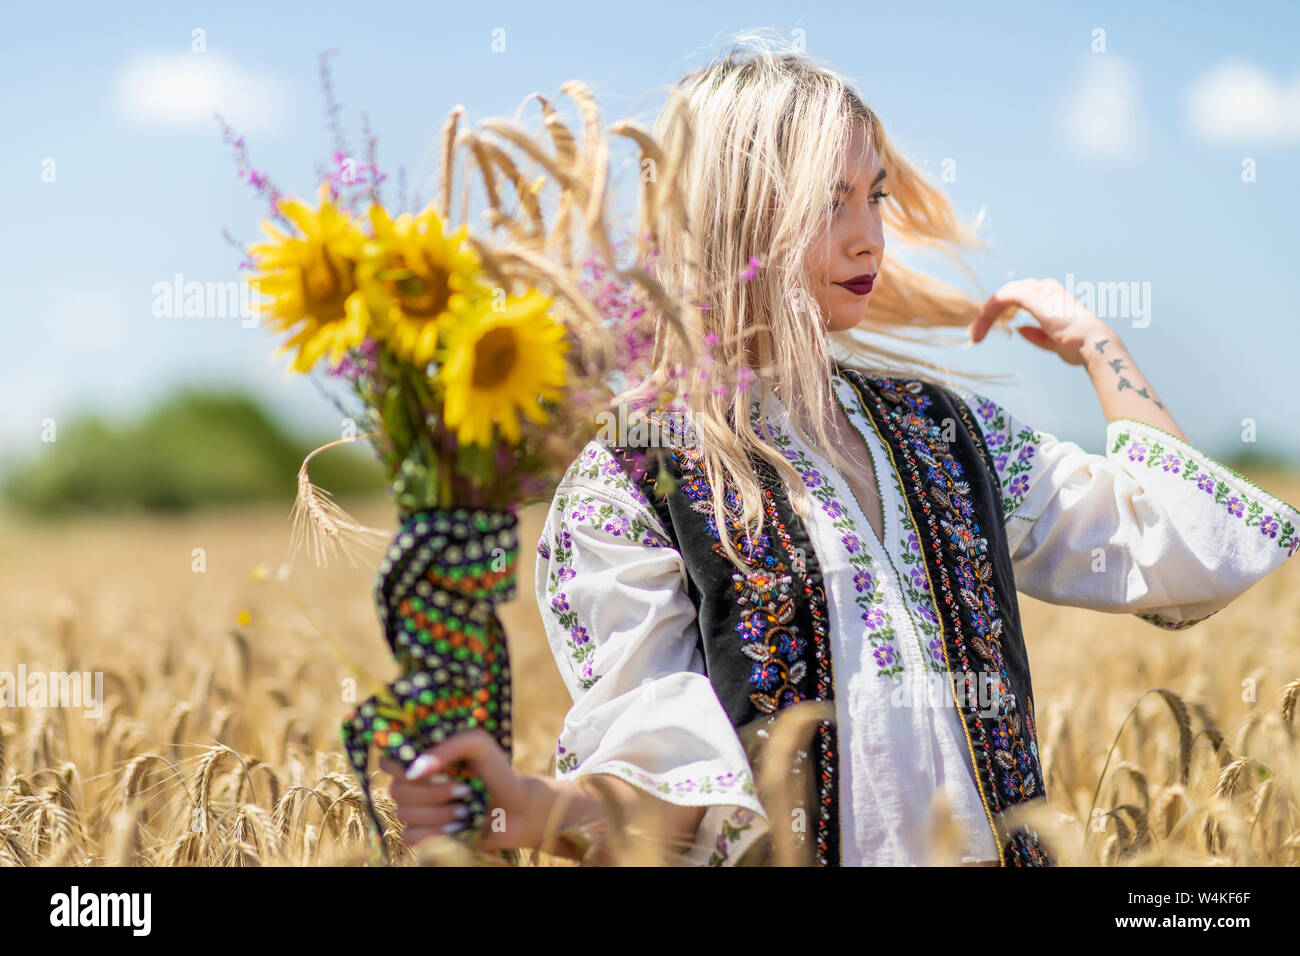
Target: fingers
(434, 817)
(413, 835)
(1011, 294)
(419, 793)
(1037, 336)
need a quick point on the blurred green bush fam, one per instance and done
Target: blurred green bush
(197, 448)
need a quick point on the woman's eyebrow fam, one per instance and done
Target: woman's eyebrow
(842, 186)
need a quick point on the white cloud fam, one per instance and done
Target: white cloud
(182, 90)
(1237, 102)
(1102, 119)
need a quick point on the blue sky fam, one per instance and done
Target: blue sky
(1123, 164)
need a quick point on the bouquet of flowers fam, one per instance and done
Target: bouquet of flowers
(480, 365)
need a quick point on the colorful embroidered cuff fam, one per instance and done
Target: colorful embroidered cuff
(1253, 530)
(734, 818)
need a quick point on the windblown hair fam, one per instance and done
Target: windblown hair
(755, 141)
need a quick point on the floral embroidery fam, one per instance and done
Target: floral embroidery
(576, 503)
(1013, 451)
(732, 829)
(767, 631)
(722, 783)
(780, 656)
(1006, 746)
(914, 583)
(567, 760)
(869, 596)
(1168, 625)
(1254, 511)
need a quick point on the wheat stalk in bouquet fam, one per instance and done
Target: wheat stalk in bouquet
(481, 363)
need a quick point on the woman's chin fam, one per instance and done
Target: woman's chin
(842, 323)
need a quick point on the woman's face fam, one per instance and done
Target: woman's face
(844, 258)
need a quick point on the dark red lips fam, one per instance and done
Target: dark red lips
(859, 285)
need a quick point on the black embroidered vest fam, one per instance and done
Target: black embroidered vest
(765, 633)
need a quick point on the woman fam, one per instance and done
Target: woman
(878, 525)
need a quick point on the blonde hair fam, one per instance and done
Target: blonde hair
(754, 140)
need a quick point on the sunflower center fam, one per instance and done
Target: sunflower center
(323, 291)
(425, 292)
(494, 358)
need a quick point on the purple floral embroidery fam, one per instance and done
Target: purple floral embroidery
(862, 581)
(1019, 484)
(874, 617)
(812, 478)
(919, 580)
(912, 542)
(884, 655)
(1000, 462)
(832, 508)
(1025, 453)
(1275, 524)
(573, 505)
(852, 543)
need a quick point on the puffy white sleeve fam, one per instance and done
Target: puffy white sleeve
(1153, 527)
(612, 592)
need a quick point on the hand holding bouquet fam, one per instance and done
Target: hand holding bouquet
(480, 366)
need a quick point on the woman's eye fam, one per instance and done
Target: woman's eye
(877, 197)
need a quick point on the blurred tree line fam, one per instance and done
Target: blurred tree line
(198, 448)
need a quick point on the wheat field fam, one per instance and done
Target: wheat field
(224, 688)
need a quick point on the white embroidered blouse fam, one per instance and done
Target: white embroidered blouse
(1153, 527)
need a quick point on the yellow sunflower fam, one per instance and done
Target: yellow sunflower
(419, 278)
(499, 363)
(312, 281)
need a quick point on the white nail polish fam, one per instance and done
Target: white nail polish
(461, 790)
(453, 828)
(418, 766)
(461, 811)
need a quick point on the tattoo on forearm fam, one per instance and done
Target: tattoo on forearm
(1117, 364)
(1143, 392)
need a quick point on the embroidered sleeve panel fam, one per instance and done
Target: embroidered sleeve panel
(1153, 527)
(1021, 456)
(1247, 532)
